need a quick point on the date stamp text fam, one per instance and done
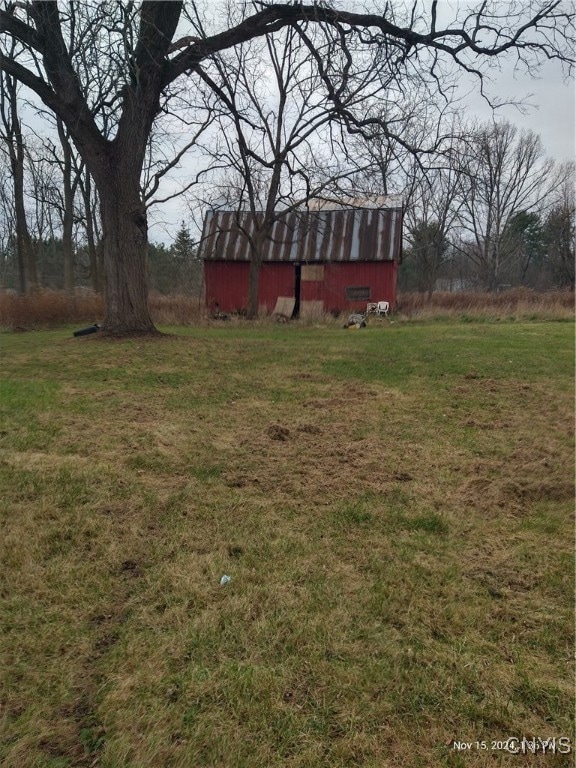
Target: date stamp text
(518, 745)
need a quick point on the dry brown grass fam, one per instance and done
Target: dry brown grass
(177, 309)
(49, 309)
(521, 303)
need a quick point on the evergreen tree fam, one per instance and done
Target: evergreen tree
(186, 262)
(523, 242)
(162, 273)
(560, 236)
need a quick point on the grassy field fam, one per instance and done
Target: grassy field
(394, 507)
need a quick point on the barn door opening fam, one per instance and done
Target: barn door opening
(297, 282)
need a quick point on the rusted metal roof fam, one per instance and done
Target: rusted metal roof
(355, 234)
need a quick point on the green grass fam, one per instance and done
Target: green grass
(394, 507)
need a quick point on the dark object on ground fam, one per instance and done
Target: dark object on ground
(277, 432)
(356, 321)
(86, 331)
(216, 314)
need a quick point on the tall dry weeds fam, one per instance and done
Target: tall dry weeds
(517, 302)
(49, 309)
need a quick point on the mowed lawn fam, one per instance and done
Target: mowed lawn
(393, 506)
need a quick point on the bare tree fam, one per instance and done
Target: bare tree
(42, 191)
(13, 140)
(142, 62)
(8, 278)
(70, 179)
(93, 235)
(560, 230)
(56, 171)
(277, 147)
(506, 173)
(431, 216)
(425, 170)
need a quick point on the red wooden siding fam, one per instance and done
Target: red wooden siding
(275, 280)
(227, 284)
(380, 277)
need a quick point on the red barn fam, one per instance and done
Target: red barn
(314, 261)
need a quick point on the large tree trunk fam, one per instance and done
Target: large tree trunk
(254, 283)
(125, 247)
(257, 250)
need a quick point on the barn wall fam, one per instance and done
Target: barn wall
(275, 280)
(379, 276)
(227, 284)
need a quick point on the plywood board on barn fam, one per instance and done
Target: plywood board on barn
(284, 306)
(311, 310)
(312, 272)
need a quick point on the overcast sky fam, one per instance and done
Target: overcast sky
(552, 104)
(550, 110)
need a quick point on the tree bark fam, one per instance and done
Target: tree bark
(254, 283)
(26, 255)
(256, 252)
(125, 246)
(28, 277)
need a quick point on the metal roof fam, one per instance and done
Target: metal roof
(355, 234)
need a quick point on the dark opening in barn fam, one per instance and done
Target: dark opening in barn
(312, 261)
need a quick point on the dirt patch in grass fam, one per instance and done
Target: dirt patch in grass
(278, 432)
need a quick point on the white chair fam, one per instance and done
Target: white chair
(380, 308)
